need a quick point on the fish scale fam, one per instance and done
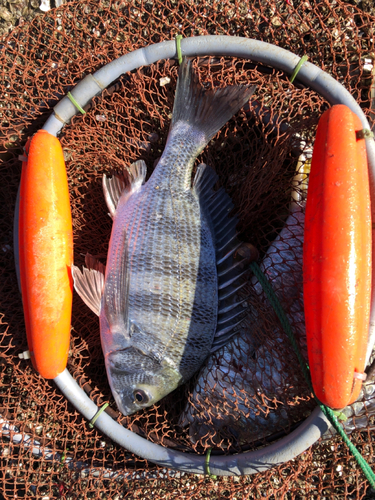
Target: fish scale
(159, 306)
(181, 245)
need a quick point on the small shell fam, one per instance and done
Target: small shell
(164, 81)
(45, 5)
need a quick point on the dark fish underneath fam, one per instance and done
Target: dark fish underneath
(242, 389)
(169, 273)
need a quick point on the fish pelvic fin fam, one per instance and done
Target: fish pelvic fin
(116, 288)
(89, 283)
(206, 109)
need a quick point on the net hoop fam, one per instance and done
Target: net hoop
(310, 75)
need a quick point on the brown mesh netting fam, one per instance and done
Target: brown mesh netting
(252, 392)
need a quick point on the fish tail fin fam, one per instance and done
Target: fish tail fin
(206, 109)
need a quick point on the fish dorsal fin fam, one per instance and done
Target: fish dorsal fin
(204, 180)
(89, 284)
(206, 109)
(216, 206)
(114, 187)
(116, 288)
(230, 260)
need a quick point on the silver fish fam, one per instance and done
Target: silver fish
(158, 304)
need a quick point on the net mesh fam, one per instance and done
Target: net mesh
(252, 391)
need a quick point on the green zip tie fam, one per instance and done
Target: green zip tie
(365, 133)
(97, 415)
(178, 48)
(62, 460)
(328, 412)
(298, 67)
(76, 104)
(207, 465)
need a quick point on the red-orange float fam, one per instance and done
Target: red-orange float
(337, 259)
(46, 254)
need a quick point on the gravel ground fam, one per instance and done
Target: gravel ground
(14, 13)
(18, 12)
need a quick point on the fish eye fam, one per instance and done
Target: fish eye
(140, 397)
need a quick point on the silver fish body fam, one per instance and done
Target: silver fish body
(172, 299)
(160, 303)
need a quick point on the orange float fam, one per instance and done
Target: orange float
(337, 259)
(46, 254)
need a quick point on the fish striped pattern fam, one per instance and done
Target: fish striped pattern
(172, 265)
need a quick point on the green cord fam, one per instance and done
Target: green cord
(178, 48)
(328, 412)
(97, 414)
(207, 465)
(76, 104)
(297, 68)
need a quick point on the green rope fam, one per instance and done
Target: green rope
(97, 414)
(297, 68)
(207, 465)
(178, 48)
(76, 104)
(328, 412)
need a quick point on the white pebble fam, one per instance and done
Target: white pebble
(164, 81)
(45, 5)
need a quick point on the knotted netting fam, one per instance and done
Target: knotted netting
(251, 392)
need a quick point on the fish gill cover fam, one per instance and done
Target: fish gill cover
(252, 390)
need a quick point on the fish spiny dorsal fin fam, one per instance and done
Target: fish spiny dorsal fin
(204, 180)
(116, 288)
(206, 109)
(114, 187)
(216, 206)
(89, 283)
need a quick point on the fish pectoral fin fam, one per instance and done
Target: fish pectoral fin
(114, 187)
(116, 288)
(89, 285)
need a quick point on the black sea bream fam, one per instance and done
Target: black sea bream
(168, 264)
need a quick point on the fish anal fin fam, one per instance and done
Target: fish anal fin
(138, 172)
(89, 284)
(114, 187)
